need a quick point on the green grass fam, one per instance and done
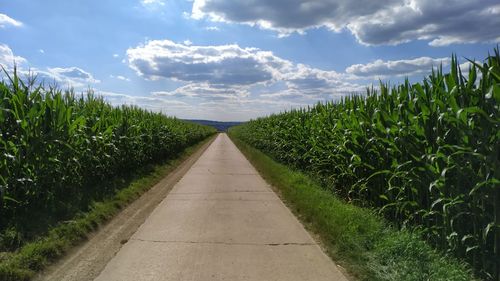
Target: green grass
(356, 238)
(34, 256)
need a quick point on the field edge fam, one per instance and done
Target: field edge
(355, 238)
(35, 256)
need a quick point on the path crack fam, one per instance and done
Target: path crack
(225, 243)
(232, 174)
(230, 191)
(222, 199)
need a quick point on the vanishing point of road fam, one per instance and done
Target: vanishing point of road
(221, 221)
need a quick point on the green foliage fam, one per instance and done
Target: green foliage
(425, 155)
(31, 257)
(57, 148)
(357, 238)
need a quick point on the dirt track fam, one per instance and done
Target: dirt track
(221, 221)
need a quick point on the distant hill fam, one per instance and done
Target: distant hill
(219, 125)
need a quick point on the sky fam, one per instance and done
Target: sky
(232, 60)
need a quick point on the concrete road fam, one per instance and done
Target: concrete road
(221, 221)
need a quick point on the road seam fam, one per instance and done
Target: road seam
(224, 243)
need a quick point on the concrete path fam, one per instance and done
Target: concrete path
(221, 221)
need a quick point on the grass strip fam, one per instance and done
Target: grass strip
(356, 238)
(34, 256)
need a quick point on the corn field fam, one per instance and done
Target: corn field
(425, 155)
(56, 147)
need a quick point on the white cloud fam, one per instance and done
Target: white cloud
(224, 64)
(440, 22)
(206, 91)
(232, 81)
(67, 77)
(7, 58)
(209, 88)
(72, 72)
(391, 68)
(302, 98)
(120, 77)
(187, 42)
(41, 51)
(312, 80)
(153, 103)
(116, 55)
(153, 2)
(70, 76)
(371, 22)
(465, 66)
(296, 17)
(212, 28)
(8, 21)
(216, 72)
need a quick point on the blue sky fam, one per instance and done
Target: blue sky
(236, 60)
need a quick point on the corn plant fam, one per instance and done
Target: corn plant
(56, 148)
(426, 155)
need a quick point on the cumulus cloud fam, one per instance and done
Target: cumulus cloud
(297, 16)
(312, 81)
(224, 64)
(72, 72)
(8, 59)
(253, 102)
(206, 91)
(153, 103)
(441, 22)
(232, 81)
(8, 21)
(229, 79)
(408, 67)
(216, 72)
(70, 76)
(371, 22)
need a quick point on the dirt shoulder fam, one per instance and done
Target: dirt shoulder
(87, 260)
